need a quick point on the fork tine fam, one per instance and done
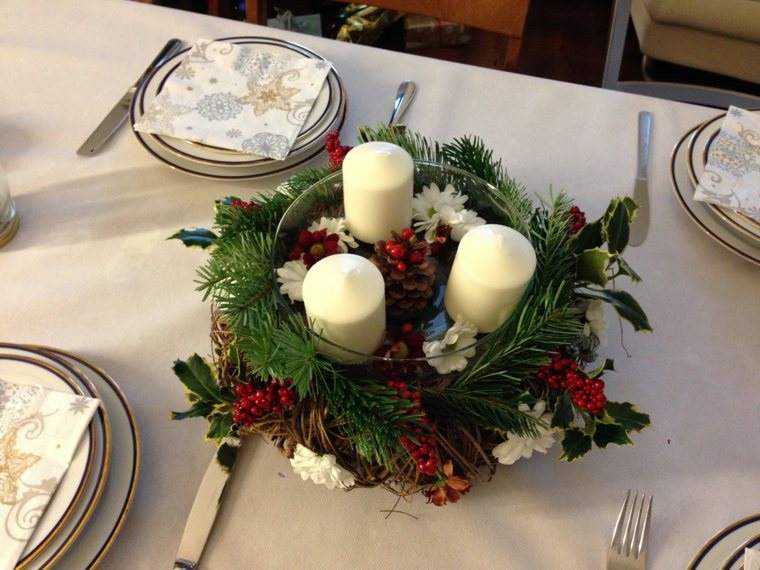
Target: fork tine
(644, 537)
(617, 534)
(628, 541)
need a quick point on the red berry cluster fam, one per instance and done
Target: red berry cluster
(423, 450)
(563, 374)
(577, 220)
(313, 246)
(253, 402)
(404, 250)
(245, 206)
(336, 150)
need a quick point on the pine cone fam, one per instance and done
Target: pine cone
(408, 273)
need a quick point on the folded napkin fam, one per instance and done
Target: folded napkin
(236, 97)
(40, 430)
(751, 559)
(732, 173)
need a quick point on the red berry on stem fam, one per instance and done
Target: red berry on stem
(407, 233)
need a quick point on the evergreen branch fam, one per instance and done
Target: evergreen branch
(419, 147)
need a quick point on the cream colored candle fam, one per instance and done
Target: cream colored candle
(491, 270)
(377, 190)
(344, 295)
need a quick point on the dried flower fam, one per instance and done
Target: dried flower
(321, 469)
(446, 355)
(448, 487)
(291, 276)
(335, 226)
(313, 246)
(518, 446)
(433, 207)
(596, 321)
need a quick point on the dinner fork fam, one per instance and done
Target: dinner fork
(628, 549)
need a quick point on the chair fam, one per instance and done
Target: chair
(502, 17)
(715, 36)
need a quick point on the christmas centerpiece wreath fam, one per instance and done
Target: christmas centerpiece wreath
(438, 403)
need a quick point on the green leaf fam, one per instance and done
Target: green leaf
(564, 413)
(626, 269)
(631, 206)
(624, 303)
(611, 433)
(198, 378)
(219, 427)
(592, 265)
(608, 364)
(198, 237)
(589, 237)
(575, 444)
(226, 455)
(627, 415)
(199, 409)
(615, 226)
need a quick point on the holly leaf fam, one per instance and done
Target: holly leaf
(198, 237)
(606, 434)
(198, 409)
(592, 266)
(608, 364)
(626, 269)
(199, 379)
(226, 455)
(624, 303)
(615, 226)
(589, 237)
(219, 427)
(627, 416)
(564, 412)
(575, 444)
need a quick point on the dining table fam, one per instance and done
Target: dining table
(91, 271)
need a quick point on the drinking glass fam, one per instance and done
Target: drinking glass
(8, 215)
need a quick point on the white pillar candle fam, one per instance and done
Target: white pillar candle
(377, 190)
(344, 295)
(491, 270)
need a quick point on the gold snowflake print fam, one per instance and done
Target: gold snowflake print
(264, 97)
(13, 464)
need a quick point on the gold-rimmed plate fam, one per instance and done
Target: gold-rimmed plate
(696, 161)
(700, 212)
(68, 506)
(725, 550)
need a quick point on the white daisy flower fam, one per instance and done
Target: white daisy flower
(321, 469)
(596, 321)
(445, 354)
(335, 226)
(518, 446)
(291, 276)
(433, 207)
(463, 221)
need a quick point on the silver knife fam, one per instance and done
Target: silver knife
(404, 96)
(202, 516)
(640, 225)
(118, 114)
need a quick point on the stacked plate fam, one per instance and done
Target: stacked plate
(725, 550)
(732, 229)
(90, 504)
(327, 115)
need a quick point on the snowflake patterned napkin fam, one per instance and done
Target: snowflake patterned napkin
(732, 173)
(236, 97)
(40, 430)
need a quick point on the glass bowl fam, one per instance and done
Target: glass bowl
(325, 198)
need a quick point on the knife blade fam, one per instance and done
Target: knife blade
(202, 515)
(116, 117)
(640, 225)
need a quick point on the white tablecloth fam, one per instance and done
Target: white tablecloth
(91, 271)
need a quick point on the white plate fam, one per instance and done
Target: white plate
(725, 550)
(221, 172)
(700, 212)
(322, 114)
(109, 516)
(327, 115)
(67, 508)
(699, 146)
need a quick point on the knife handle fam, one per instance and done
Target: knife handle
(172, 47)
(645, 131)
